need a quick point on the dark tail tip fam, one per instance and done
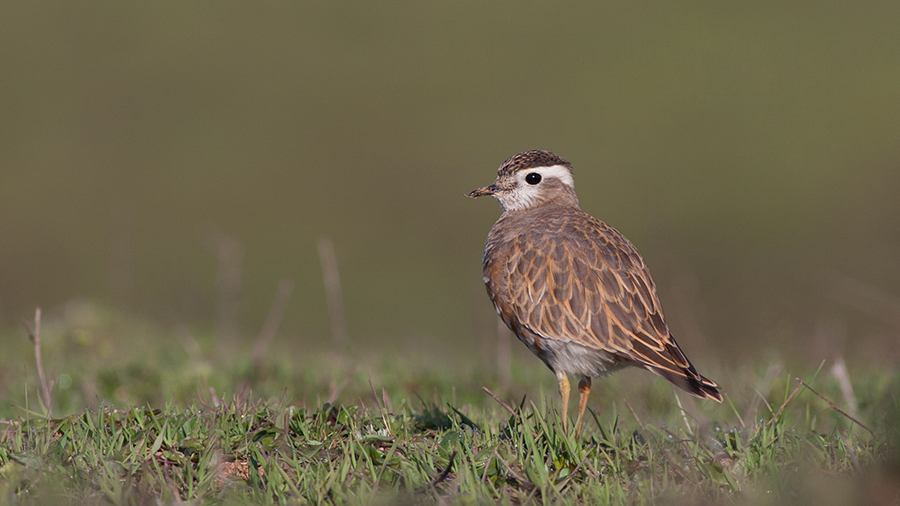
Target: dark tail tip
(710, 389)
(693, 383)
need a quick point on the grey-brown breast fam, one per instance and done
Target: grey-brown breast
(564, 275)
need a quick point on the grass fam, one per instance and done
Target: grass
(409, 431)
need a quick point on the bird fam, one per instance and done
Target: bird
(573, 289)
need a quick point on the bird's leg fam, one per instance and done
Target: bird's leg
(584, 390)
(564, 393)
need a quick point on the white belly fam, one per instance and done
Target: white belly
(572, 358)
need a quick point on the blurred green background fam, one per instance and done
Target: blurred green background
(750, 151)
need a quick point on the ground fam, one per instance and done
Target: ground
(339, 429)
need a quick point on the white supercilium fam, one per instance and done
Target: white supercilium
(526, 195)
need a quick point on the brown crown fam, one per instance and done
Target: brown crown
(530, 160)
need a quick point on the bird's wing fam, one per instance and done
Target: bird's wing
(581, 280)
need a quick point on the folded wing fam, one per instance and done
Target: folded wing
(589, 285)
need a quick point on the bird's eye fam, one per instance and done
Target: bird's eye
(533, 178)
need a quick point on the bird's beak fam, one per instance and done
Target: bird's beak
(481, 192)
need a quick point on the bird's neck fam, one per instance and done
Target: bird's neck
(558, 201)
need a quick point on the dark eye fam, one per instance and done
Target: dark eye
(533, 178)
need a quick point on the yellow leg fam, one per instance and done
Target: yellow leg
(584, 390)
(564, 393)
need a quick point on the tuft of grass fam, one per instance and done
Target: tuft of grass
(274, 452)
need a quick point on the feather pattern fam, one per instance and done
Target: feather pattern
(574, 289)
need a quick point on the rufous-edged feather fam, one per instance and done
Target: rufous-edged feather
(574, 289)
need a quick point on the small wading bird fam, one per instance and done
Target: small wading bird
(572, 288)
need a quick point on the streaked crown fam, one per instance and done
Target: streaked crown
(532, 179)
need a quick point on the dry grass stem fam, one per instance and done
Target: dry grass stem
(783, 404)
(333, 293)
(35, 337)
(839, 371)
(836, 407)
(230, 255)
(440, 477)
(687, 424)
(501, 401)
(633, 413)
(273, 321)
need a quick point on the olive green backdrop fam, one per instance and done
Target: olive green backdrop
(752, 153)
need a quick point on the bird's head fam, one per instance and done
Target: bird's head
(532, 179)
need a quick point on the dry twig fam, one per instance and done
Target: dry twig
(835, 406)
(512, 473)
(633, 413)
(502, 403)
(783, 404)
(440, 477)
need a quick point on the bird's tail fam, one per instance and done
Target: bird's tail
(675, 367)
(693, 383)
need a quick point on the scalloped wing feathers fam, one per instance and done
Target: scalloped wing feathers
(559, 274)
